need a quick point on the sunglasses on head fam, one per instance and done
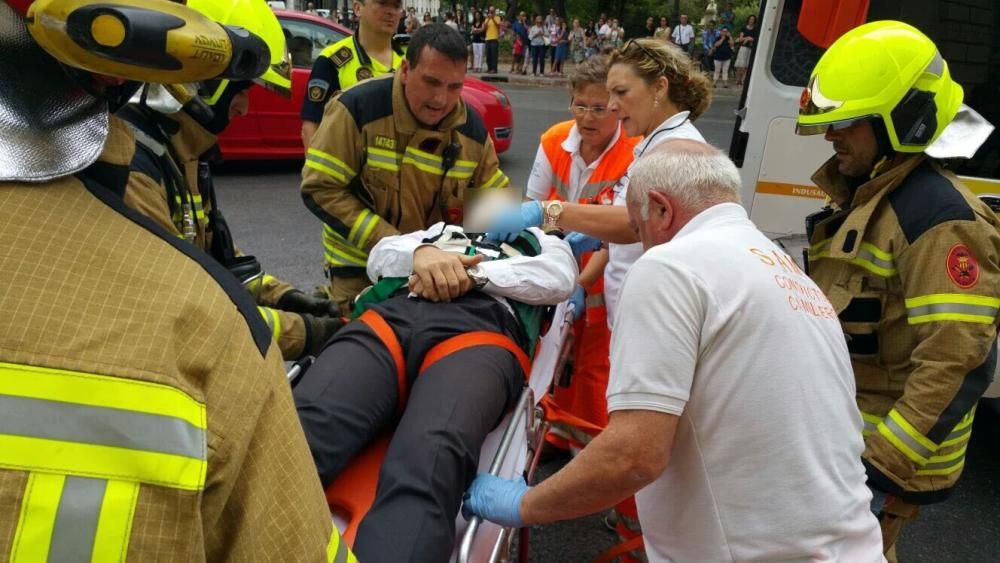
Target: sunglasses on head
(645, 51)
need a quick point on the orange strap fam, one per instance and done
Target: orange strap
(555, 413)
(479, 338)
(621, 550)
(388, 337)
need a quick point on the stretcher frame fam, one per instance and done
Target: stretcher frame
(517, 447)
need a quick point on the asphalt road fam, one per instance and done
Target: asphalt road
(263, 207)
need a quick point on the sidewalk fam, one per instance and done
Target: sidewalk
(504, 77)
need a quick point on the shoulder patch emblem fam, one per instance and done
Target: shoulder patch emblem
(364, 73)
(963, 269)
(317, 90)
(342, 56)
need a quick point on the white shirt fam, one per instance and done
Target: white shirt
(622, 256)
(543, 176)
(546, 279)
(720, 328)
(605, 30)
(683, 34)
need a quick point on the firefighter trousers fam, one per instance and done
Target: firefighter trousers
(398, 366)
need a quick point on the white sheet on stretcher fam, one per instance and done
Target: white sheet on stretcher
(542, 370)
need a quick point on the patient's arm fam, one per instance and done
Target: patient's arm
(546, 279)
(392, 257)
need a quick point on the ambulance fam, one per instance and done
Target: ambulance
(776, 164)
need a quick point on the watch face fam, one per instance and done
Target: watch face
(477, 275)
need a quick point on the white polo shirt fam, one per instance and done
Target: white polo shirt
(622, 256)
(683, 34)
(542, 175)
(721, 328)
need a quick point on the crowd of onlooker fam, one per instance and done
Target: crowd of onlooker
(535, 40)
(552, 38)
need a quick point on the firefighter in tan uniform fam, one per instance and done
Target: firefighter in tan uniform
(396, 154)
(185, 141)
(909, 258)
(144, 415)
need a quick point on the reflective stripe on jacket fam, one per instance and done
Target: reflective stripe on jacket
(912, 268)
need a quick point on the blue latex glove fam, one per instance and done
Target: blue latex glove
(495, 499)
(581, 243)
(509, 223)
(579, 301)
(878, 501)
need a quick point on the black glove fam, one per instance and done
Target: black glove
(295, 301)
(319, 330)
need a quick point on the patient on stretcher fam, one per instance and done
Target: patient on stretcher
(439, 355)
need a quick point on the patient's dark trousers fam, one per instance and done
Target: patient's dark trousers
(352, 394)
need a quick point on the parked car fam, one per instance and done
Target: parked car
(272, 129)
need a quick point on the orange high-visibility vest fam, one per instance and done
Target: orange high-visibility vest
(602, 180)
(584, 398)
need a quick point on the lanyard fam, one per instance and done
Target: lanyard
(623, 181)
(655, 135)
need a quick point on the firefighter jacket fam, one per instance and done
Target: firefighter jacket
(599, 187)
(911, 266)
(337, 68)
(144, 413)
(373, 171)
(168, 176)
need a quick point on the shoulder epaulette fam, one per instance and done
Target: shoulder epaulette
(473, 127)
(926, 199)
(370, 100)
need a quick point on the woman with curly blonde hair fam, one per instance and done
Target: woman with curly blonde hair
(657, 92)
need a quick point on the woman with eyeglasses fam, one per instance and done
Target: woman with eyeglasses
(657, 92)
(580, 160)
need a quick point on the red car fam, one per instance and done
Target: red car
(272, 129)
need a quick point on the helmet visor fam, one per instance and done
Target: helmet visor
(278, 77)
(822, 128)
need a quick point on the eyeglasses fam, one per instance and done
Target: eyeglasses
(645, 51)
(597, 111)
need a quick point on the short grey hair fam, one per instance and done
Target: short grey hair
(695, 174)
(591, 71)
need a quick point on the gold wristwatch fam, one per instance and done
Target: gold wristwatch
(553, 210)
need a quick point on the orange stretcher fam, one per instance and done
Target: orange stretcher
(512, 449)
